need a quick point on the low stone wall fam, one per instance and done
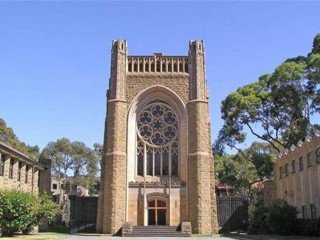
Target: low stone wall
(186, 228)
(126, 229)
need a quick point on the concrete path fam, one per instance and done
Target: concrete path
(108, 237)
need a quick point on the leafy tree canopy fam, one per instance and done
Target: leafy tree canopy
(247, 167)
(277, 108)
(73, 159)
(8, 136)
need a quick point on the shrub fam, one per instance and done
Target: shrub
(278, 218)
(281, 217)
(46, 209)
(308, 227)
(258, 221)
(21, 211)
(16, 210)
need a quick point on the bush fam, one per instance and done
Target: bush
(258, 221)
(46, 209)
(16, 209)
(308, 227)
(21, 211)
(282, 217)
(278, 218)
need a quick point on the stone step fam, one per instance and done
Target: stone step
(160, 235)
(156, 231)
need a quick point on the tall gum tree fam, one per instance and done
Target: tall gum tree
(277, 108)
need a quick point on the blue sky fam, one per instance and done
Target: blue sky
(55, 56)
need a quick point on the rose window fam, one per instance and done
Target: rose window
(157, 137)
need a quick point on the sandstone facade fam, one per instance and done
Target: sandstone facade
(157, 164)
(297, 177)
(18, 171)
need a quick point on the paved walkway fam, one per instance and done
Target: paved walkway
(250, 237)
(108, 237)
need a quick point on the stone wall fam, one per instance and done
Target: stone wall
(297, 177)
(178, 83)
(18, 181)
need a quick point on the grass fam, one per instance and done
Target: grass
(40, 236)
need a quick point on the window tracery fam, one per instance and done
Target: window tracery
(157, 141)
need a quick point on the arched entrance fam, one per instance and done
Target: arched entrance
(157, 212)
(157, 153)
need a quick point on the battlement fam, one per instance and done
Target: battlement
(293, 147)
(157, 64)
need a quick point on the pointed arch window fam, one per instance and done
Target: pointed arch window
(157, 141)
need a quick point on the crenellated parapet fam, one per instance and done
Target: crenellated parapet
(157, 64)
(300, 144)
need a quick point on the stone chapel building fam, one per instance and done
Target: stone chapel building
(157, 166)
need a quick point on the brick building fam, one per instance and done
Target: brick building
(18, 171)
(157, 166)
(297, 177)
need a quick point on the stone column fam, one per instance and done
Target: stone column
(15, 174)
(29, 174)
(202, 206)
(23, 176)
(112, 204)
(35, 181)
(6, 172)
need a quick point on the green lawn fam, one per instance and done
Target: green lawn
(40, 236)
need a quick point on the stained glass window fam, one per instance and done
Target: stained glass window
(157, 140)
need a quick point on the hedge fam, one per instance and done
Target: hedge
(21, 212)
(281, 218)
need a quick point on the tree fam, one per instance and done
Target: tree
(46, 209)
(21, 211)
(246, 167)
(277, 108)
(72, 159)
(8, 136)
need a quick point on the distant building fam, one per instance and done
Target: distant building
(18, 171)
(223, 189)
(68, 187)
(297, 177)
(59, 189)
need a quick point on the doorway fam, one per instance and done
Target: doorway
(157, 212)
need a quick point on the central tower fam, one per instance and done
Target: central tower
(157, 166)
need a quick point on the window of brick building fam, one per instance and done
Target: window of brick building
(304, 211)
(313, 211)
(54, 186)
(309, 160)
(11, 168)
(19, 171)
(301, 163)
(2, 162)
(293, 166)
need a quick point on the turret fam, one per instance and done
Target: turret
(117, 81)
(197, 71)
